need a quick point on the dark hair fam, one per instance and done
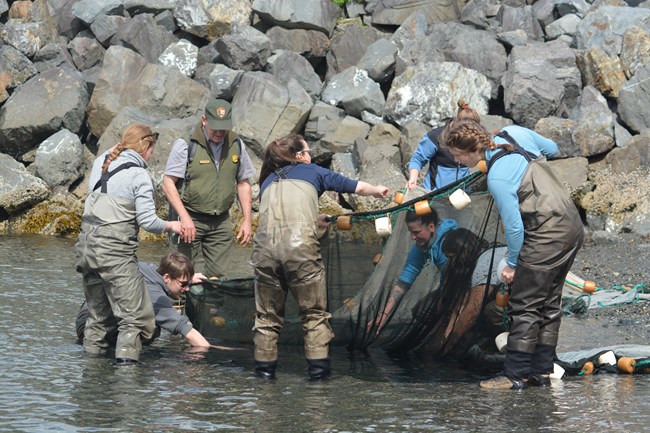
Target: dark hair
(279, 153)
(425, 220)
(177, 265)
(462, 244)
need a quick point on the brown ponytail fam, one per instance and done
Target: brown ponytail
(466, 112)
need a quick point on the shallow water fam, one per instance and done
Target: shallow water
(48, 384)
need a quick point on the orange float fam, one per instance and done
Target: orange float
(482, 166)
(344, 222)
(502, 299)
(588, 368)
(376, 259)
(589, 287)
(422, 208)
(399, 197)
(626, 365)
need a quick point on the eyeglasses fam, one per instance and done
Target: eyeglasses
(183, 283)
(305, 151)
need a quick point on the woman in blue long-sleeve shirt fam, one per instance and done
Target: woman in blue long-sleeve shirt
(543, 234)
(443, 170)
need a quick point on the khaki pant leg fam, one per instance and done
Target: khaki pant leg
(310, 294)
(132, 306)
(100, 321)
(217, 243)
(270, 299)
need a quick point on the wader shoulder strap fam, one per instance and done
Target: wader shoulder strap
(517, 149)
(103, 180)
(281, 173)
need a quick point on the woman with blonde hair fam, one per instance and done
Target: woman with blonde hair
(120, 202)
(286, 252)
(443, 170)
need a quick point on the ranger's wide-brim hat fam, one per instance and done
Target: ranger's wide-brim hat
(218, 115)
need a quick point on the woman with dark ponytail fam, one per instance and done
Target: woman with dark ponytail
(119, 203)
(286, 252)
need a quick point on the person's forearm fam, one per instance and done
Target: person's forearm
(195, 338)
(394, 297)
(364, 188)
(173, 197)
(245, 197)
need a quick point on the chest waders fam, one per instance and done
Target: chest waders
(553, 234)
(286, 258)
(113, 286)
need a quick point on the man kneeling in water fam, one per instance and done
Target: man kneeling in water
(170, 279)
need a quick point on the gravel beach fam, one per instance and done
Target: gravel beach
(620, 260)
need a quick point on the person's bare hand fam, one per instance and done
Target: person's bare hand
(188, 230)
(507, 275)
(245, 233)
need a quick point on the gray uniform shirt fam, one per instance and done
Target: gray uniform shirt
(177, 161)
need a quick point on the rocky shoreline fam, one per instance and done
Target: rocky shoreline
(363, 81)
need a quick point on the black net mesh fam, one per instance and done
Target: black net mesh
(441, 313)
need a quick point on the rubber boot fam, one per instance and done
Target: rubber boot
(318, 368)
(265, 369)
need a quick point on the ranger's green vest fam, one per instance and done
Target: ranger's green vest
(208, 190)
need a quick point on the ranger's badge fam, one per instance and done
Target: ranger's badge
(235, 159)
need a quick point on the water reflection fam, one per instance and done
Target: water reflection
(48, 384)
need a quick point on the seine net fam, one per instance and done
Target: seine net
(443, 312)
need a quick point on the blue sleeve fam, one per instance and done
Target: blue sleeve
(505, 196)
(423, 154)
(414, 264)
(545, 145)
(331, 181)
(437, 256)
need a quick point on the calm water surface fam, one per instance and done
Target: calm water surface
(47, 383)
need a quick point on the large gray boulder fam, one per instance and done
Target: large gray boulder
(59, 159)
(395, 12)
(529, 94)
(285, 65)
(634, 100)
(126, 79)
(474, 49)
(423, 93)
(604, 27)
(245, 49)
(355, 92)
(181, 55)
(264, 109)
(18, 188)
(16, 65)
(311, 44)
(144, 36)
(348, 46)
(211, 19)
(88, 10)
(48, 102)
(318, 15)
